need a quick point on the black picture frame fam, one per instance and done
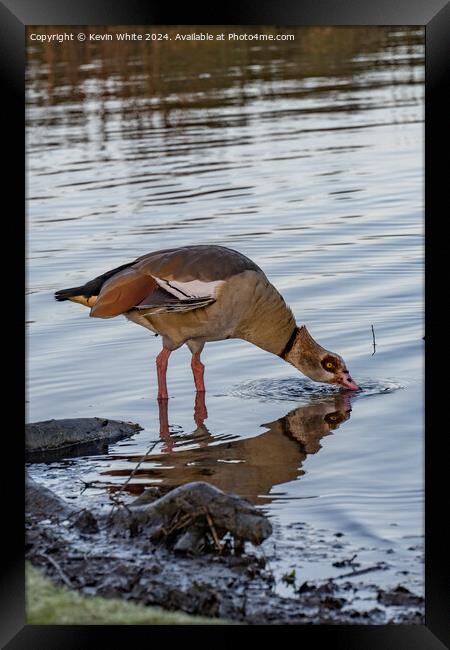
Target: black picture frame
(434, 15)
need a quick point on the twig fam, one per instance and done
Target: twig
(343, 563)
(374, 343)
(213, 531)
(375, 567)
(88, 556)
(64, 578)
(244, 602)
(117, 502)
(179, 521)
(89, 484)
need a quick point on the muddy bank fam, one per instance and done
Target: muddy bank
(51, 604)
(153, 551)
(192, 548)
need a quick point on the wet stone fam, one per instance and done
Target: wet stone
(400, 596)
(52, 435)
(86, 523)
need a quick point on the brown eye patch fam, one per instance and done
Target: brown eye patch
(329, 364)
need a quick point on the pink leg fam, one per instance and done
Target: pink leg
(164, 426)
(161, 368)
(200, 412)
(198, 369)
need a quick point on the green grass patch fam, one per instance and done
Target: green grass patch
(48, 604)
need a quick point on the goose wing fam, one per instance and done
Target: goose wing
(132, 289)
(174, 279)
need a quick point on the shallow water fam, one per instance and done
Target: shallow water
(294, 389)
(305, 156)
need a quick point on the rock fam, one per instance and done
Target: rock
(42, 503)
(400, 596)
(191, 542)
(86, 523)
(149, 495)
(202, 504)
(332, 603)
(53, 435)
(185, 514)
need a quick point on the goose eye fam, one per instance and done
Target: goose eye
(333, 418)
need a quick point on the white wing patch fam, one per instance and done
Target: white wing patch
(192, 289)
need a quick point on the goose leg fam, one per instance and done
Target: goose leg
(198, 370)
(200, 412)
(164, 432)
(161, 369)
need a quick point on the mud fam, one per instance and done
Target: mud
(188, 564)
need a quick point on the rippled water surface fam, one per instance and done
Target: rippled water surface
(305, 156)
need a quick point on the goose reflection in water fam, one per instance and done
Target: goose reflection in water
(250, 467)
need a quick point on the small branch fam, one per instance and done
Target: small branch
(90, 484)
(375, 567)
(213, 531)
(115, 498)
(64, 578)
(374, 343)
(179, 521)
(88, 556)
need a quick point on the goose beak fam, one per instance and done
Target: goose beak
(344, 379)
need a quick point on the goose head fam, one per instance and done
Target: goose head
(317, 363)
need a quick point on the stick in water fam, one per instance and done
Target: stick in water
(374, 344)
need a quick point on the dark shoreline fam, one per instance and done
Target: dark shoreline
(195, 568)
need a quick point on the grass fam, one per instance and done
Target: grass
(48, 604)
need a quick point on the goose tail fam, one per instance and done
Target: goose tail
(67, 294)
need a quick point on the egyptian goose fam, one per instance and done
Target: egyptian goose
(195, 294)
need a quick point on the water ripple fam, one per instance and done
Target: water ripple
(292, 389)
